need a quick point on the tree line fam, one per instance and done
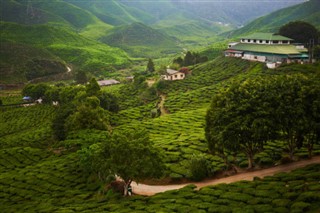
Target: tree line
(88, 108)
(242, 118)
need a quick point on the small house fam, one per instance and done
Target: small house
(108, 82)
(172, 75)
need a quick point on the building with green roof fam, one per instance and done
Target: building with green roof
(268, 48)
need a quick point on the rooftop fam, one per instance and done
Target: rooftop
(267, 36)
(171, 71)
(108, 82)
(274, 48)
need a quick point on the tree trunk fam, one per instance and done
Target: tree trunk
(250, 160)
(126, 186)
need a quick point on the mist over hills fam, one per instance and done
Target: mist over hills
(99, 36)
(308, 11)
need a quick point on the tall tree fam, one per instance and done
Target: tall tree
(150, 66)
(35, 91)
(92, 88)
(188, 59)
(311, 99)
(131, 156)
(300, 31)
(240, 119)
(289, 113)
(81, 77)
(88, 115)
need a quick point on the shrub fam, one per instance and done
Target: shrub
(281, 202)
(300, 207)
(198, 167)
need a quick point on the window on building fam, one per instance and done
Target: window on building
(255, 57)
(249, 40)
(181, 75)
(254, 41)
(276, 42)
(175, 76)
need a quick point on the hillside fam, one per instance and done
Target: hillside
(41, 174)
(140, 40)
(308, 11)
(56, 42)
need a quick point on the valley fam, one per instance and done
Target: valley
(231, 135)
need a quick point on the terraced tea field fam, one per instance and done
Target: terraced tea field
(39, 174)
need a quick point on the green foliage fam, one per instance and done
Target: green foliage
(93, 163)
(81, 77)
(300, 32)
(249, 114)
(198, 167)
(108, 101)
(123, 153)
(92, 88)
(35, 91)
(88, 115)
(44, 50)
(236, 119)
(150, 66)
(58, 123)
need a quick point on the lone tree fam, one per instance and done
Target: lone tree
(150, 66)
(300, 31)
(131, 156)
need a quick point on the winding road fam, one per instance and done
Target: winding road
(149, 190)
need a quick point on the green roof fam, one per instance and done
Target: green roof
(267, 36)
(266, 48)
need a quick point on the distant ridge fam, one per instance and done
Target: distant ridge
(308, 11)
(140, 40)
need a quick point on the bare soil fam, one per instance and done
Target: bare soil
(149, 190)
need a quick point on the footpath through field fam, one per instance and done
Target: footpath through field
(149, 190)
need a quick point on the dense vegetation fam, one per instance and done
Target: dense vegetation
(179, 136)
(247, 115)
(70, 153)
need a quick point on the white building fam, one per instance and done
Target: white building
(267, 48)
(173, 75)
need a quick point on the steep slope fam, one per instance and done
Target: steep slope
(191, 31)
(308, 11)
(113, 12)
(49, 42)
(53, 13)
(140, 40)
(23, 13)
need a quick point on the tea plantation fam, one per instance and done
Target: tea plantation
(40, 174)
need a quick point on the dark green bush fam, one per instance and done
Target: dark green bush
(300, 207)
(198, 167)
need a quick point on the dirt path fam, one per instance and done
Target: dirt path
(161, 105)
(150, 82)
(149, 190)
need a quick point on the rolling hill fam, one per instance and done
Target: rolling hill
(308, 11)
(70, 32)
(140, 40)
(26, 43)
